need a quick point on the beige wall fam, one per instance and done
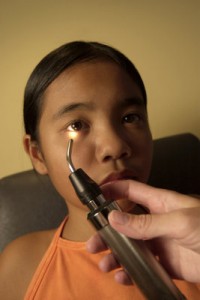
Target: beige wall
(161, 37)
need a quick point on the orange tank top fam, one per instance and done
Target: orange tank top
(68, 272)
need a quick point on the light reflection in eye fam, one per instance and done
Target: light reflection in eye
(130, 118)
(76, 126)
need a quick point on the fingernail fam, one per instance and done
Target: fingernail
(118, 217)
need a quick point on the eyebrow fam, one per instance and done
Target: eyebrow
(133, 101)
(85, 106)
(70, 108)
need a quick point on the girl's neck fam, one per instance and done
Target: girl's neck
(77, 227)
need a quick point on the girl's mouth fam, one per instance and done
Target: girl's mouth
(123, 175)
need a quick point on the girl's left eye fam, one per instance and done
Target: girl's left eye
(132, 118)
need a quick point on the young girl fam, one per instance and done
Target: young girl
(95, 91)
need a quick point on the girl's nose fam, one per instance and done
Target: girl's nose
(111, 146)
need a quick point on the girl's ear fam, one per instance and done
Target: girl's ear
(32, 149)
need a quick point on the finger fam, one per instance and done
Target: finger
(178, 224)
(95, 244)
(122, 277)
(134, 226)
(156, 200)
(108, 263)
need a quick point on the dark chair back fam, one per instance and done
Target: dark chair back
(29, 202)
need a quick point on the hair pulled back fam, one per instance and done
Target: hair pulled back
(53, 64)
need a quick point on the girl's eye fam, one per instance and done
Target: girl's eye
(76, 126)
(132, 118)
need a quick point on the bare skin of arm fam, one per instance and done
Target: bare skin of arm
(19, 261)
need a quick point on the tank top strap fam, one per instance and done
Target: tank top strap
(42, 268)
(59, 231)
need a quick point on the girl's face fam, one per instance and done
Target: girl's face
(102, 104)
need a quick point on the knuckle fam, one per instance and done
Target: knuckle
(143, 224)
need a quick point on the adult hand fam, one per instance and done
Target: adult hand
(172, 228)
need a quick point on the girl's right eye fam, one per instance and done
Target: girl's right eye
(76, 126)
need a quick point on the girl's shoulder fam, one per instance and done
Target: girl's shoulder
(19, 261)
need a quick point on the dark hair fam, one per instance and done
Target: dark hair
(52, 65)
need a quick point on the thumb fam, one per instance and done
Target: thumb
(144, 226)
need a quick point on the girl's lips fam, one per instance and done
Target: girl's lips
(125, 175)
